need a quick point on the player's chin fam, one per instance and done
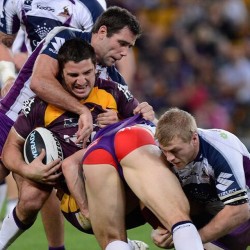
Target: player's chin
(81, 94)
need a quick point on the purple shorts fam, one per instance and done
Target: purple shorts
(5, 126)
(238, 239)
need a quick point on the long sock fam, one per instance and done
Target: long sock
(117, 244)
(11, 229)
(186, 236)
(3, 192)
(10, 205)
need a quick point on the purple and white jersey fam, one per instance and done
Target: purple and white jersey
(220, 174)
(38, 17)
(12, 103)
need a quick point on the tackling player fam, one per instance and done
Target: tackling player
(213, 167)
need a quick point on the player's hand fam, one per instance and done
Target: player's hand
(46, 174)
(162, 238)
(146, 111)
(106, 118)
(85, 127)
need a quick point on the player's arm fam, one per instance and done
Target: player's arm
(12, 157)
(48, 88)
(7, 65)
(225, 221)
(73, 173)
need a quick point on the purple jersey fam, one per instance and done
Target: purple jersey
(104, 95)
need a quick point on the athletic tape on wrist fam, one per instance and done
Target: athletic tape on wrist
(7, 71)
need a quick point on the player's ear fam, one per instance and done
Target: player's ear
(195, 138)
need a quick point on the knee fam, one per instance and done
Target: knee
(32, 204)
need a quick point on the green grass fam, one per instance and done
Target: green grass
(35, 238)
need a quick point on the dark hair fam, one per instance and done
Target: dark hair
(115, 19)
(75, 50)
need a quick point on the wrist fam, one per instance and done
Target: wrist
(7, 71)
(83, 110)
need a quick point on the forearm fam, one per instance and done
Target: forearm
(13, 160)
(45, 84)
(58, 97)
(73, 174)
(224, 222)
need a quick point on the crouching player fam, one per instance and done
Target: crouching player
(124, 156)
(213, 166)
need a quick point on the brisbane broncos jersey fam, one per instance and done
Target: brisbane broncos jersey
(220, 174)
(104, 95)
(38, 17)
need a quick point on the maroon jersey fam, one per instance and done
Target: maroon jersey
(63, 124)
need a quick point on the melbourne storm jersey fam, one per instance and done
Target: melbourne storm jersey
(220, 174)
(104, 95)
(38, 17)
(12, 103)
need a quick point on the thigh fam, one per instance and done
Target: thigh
(30, 194)
(155, 185)
(106, 201)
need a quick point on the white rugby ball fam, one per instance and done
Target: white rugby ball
(38, 139)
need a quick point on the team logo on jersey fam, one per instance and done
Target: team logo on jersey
(126, 92)
(27, 106)
(223, 181)
(65, 12)
(70, 122)
(57, 44)
(42, 31)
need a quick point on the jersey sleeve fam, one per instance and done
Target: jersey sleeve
(9, 20)
(57, 37)
(30, 117)
(91, 10)
(228, 168)
(126, 102)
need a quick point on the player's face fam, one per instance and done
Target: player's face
(114, 48)
(180, 153)
(79, 78)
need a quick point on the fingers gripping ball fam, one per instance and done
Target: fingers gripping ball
(38, 139)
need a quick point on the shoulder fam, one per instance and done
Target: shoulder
(56, 38)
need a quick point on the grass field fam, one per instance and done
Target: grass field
(35, 238)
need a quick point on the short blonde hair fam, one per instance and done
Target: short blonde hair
(175, 123)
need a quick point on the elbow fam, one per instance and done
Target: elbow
(34, 86)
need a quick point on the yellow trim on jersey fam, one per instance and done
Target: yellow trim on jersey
(98, 96)
(68, 204)
(102, 98)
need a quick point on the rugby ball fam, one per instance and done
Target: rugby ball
(38, 139)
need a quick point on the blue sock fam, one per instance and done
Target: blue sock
(57, 248)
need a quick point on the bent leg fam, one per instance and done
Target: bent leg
(31, 199)
(158, 188)
(106, 201)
